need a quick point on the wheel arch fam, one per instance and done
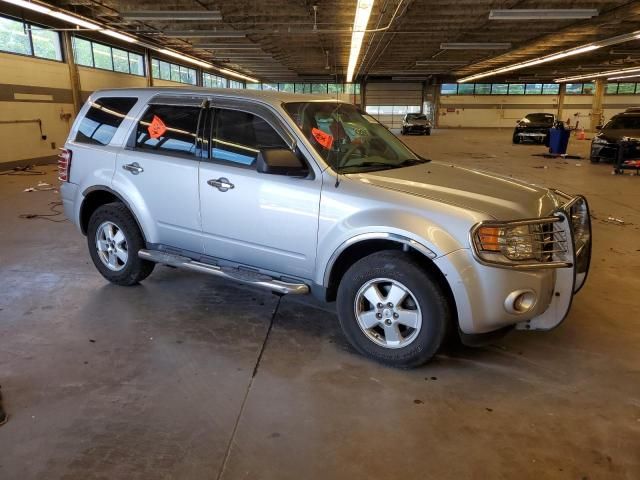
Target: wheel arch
(365, 245)
(95, 197)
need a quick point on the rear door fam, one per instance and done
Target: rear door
(255, 219)
(159, 171)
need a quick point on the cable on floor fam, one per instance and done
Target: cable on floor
(53, 206)
(23, 171)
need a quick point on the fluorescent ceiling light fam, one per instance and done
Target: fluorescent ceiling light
(543, 14)
(556, 56)
(202, 34)
(239, 75)
(185, 15)
(625, 76)
(185, 58)
(475, 46)
(530, 63)
(31, 6)
(75, 20)
(363, 12)
(609, 73)
(120, 36)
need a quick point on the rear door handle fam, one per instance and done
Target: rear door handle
(134, 168)
(223, 184)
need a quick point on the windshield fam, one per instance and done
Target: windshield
(539, 118)
(624, 122)
(416, 116)
(348, 140)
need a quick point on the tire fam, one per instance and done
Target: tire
(402, 131)
(113, 227)
(595, 159)
(516, 139)
(424, 305)
(428, 132)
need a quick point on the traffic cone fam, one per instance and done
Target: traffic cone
(581, 134)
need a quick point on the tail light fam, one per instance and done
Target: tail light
(64, 165)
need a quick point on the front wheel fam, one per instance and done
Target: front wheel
(114, 240)
(392, 310)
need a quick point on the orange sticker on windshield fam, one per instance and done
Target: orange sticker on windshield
(156, 127)
(322, 138)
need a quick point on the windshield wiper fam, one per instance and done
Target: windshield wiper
(413, 161)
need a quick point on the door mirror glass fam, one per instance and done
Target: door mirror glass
(281, 161)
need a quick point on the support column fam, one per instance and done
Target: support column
(561, 94)
(363, 95)
(436, 105)
(147, 67)
(74, 77)
(596, 106)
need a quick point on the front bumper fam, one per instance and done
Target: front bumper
(481, 289)
(416, 128)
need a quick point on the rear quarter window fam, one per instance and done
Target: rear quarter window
(103, 118)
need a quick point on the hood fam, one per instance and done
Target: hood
(615, 134)
(502, 198)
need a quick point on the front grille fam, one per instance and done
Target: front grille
(554, 242)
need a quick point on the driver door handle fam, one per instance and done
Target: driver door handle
(134, 168)
(223, 184)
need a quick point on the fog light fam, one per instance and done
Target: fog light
(520, 301)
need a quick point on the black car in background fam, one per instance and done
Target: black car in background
(534, 127)
(623, 126)
(416, 123)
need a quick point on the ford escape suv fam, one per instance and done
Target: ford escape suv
(300, 195)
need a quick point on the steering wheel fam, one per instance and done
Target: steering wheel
(363, 147)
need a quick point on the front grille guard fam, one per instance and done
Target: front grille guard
(560, 247)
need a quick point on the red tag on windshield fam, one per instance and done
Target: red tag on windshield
(156, 127)
(322, 138)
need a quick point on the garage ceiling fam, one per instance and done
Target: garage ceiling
(279, 40)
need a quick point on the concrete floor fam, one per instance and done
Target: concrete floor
(186, 377)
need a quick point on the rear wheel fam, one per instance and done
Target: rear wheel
(114, 240)
(391, 310)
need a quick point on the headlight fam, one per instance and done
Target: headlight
(599, 141)
(523, 242)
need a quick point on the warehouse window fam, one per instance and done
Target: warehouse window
(626, 88)
(98, 55)
(173, 72)
(213, 81)
(533, 89)
(26, 38)
(483, 89)
(574, 88)
(499, 88)
(449, 88)
(236, 84)
(550, 89)
(516, 89)
(465, 89)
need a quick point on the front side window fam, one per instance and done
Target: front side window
(103, 118)
(169, 129)
(348, 140)
(239, 136)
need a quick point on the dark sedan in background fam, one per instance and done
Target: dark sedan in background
(623, 126)
(534, 127)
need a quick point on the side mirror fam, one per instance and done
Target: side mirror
(280, 161)
(598, 127)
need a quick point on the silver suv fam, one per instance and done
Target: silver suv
(300, 195)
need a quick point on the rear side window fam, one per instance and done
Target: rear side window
(169, 129)
(239, 136)
(102, 120)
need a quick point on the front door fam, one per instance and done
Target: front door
(250, 218)
(159, 173)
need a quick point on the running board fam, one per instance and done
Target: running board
(243, 276)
